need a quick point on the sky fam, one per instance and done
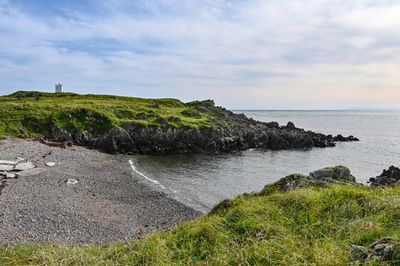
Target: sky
(270, 54)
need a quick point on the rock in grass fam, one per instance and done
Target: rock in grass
(383, 250)
(358, 253)
(24, 166)
(338, 173)
(319, 178)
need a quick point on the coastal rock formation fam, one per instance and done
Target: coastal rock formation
(131, 125)
(229, 132)
(319, 178)
(388, 178)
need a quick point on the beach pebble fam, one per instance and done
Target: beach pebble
(11, 175)
(4, 167)
(24, 166)
(8, 162)
(31, 172)
(71, 181)
(50, 164)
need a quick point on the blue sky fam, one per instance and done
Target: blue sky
(305, 54)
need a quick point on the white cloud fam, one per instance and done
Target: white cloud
(242, 53)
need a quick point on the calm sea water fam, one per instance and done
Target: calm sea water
(201, 181)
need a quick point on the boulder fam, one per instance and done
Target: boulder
(290, 125)
(389, 178)
(383, 250)
(358, 253)
(337, 173)
(320, 178)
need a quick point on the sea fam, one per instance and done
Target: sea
(203, 180)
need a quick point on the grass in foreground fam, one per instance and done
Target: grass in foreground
(311, 226)
(31, 114)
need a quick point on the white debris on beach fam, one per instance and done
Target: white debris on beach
(71, 181)
(2, 162)
(24, 166)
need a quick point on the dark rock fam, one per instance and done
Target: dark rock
(162, 121)
(227, 132)
(290, 125)
(388, 178)
(358, 253)
(272, 124)
(141, 116)
(340, 138)
(384, 250)
(117, 140)
(174, 119)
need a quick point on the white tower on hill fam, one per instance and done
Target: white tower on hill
(59, 88)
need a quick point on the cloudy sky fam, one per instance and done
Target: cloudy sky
(285, 54)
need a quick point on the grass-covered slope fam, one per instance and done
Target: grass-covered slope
(32, 114)
(133, 125)
(308, 226)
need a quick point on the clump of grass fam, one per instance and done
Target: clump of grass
(310, 226)
(30, 113)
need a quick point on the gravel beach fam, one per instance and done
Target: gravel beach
(107, 204)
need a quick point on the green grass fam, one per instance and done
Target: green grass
(31, 114)
(310, 226)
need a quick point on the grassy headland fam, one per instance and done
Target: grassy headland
(133, 125)
(32, 114)
(308, 226)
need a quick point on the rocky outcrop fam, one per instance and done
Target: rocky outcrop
(334, 174)
(388, 178)
(320, 178)
(383, 250)
(229, 132)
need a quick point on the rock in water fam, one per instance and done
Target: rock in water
(24, 166)
(388, 178)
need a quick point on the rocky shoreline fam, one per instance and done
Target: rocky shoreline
(229, 132)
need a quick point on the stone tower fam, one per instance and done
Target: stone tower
(59, 88)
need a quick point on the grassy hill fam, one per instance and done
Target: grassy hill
(31, 114)
(309, 226)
